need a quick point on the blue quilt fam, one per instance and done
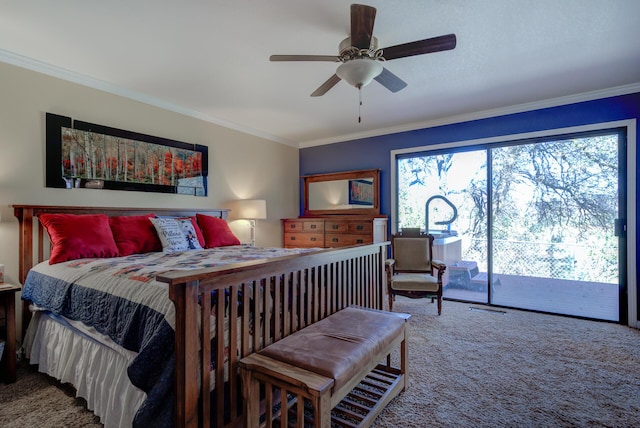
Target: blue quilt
(119, 297)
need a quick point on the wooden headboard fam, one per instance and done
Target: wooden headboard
(32, 234)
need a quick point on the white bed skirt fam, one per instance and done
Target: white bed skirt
(91, 362)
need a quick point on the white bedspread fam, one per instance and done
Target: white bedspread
(120, 298)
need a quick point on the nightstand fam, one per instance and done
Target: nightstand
(8, 331)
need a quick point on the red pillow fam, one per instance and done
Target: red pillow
(216, 232)
(75, 236)
(135, 234)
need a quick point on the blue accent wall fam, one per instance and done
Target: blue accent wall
(374, 152)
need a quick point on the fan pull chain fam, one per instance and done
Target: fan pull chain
(359, 104)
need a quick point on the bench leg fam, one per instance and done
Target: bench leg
(251, 392)
(322, 404)
(404, 357)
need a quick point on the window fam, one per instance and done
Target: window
(536, 218)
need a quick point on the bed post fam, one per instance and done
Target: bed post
(383, 303)
(25, 259)
(25, 221)
(185, 298)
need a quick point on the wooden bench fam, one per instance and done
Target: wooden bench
(336, 371)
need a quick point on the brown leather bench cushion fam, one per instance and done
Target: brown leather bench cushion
(340, 345)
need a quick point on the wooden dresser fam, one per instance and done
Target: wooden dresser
(333, 231)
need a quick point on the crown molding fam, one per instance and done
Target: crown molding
(64, 74)
(70, 76)
(485, 114)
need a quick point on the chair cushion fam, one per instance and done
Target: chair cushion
(339, 346)
(412, 254)
(414, 281)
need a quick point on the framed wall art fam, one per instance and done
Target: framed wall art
(360, 192)
(86, 155)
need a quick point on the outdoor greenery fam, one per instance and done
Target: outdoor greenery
(553, 204)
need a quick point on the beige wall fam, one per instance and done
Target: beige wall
(240, 165)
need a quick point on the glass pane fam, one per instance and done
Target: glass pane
(454, 187)
(554, 206)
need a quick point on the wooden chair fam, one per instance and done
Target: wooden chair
(411, 270)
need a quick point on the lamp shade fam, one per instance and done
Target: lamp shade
(252, 209)
(359, 72)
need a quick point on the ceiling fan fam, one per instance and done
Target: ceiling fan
(362, 59)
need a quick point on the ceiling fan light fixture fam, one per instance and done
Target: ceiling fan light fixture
(359, 72)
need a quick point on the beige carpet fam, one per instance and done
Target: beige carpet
(475, 368)
(36, 400)
(469, 368)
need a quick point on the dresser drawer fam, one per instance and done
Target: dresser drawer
(336, 226)
(313, 226)
(296, 239)
(333, 231)
(292, 226)
(360, 227)
(342, 240)
(303, 226)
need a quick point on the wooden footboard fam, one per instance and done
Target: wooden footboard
(276, 297)
(263, 302)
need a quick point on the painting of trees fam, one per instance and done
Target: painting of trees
(94, 156)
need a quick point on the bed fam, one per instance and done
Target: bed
(239, 298)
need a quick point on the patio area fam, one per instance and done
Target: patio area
(567, 297)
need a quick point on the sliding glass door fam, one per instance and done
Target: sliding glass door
(525, 224)
(449, 192)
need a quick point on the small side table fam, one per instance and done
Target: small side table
(8, 333)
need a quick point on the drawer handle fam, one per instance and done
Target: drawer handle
(293, 238)
(359, 227)
(313, 239)
(359, 241)
(335, 240)
(313, 226)
(335, 226)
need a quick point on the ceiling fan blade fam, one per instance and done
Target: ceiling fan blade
(390, 81)
(362, 19)
(333, 80)
(419, 47)
(330, 58)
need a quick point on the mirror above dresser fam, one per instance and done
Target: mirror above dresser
(340, 209)
(350, 193)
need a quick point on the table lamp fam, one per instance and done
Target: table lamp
(252, 210)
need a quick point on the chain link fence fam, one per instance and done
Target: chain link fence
(547, 260)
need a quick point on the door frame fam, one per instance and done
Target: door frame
(631, 245)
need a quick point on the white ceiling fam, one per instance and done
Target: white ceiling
(210, 59)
